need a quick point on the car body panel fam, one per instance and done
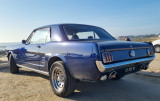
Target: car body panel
(74, 55)
(29, 56)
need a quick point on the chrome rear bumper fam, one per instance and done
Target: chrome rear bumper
(109, 67)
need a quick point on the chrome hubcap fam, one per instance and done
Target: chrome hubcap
(57, 79)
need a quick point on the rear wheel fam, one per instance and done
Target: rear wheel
(157, 48)
(63, 84)
(13, 68)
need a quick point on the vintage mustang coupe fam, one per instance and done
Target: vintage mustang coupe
(72, 52)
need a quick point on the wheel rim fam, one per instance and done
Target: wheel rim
(57, 79)
(157, 49)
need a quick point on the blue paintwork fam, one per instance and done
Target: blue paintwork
(78, 56)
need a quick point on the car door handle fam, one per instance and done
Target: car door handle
(39, 46)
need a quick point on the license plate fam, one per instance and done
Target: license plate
(130, 69)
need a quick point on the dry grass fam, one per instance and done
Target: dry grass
(2, 53)
(145, 39)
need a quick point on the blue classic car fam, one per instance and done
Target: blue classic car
(72, 52)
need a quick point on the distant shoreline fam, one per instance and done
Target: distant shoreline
(4, 45)
(2, 48)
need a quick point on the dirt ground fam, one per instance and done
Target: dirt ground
(154, 67)
(31, 86)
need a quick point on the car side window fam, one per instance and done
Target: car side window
(40, 36)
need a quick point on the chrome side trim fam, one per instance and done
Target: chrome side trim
(103, 68)
(39, 71)
(33, 64)
(120, 49)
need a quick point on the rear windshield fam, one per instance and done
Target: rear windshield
(86, 33)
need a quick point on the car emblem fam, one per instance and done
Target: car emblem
(132, 53)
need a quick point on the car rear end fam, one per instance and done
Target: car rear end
(119, 58)
(112, 58)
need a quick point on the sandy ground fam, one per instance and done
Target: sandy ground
(3, 62)
(154, 67)
(31, 86)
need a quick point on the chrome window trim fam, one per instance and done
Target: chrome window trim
(34, 64)
(30, 36)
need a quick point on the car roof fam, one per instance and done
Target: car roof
(64, 24)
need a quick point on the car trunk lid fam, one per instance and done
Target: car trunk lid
(122, 50)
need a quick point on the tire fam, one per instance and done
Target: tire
(157, 48)
(63, 84)
(13, 68)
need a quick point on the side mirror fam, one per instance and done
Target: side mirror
(23, 41)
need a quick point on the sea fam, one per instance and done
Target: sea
(4, 45)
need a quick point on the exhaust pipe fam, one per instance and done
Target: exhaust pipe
(112, 75)
(144, 67)
(103, 77)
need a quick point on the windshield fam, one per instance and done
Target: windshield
(87, 33)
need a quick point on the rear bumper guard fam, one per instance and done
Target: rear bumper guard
(104, 68)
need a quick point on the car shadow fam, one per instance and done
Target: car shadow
(3, 61)
(111, 90)
(25, 72)
(32, 73)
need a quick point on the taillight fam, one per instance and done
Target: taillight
(107, 57)
(150, 51)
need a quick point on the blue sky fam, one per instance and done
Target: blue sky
(119, 17)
